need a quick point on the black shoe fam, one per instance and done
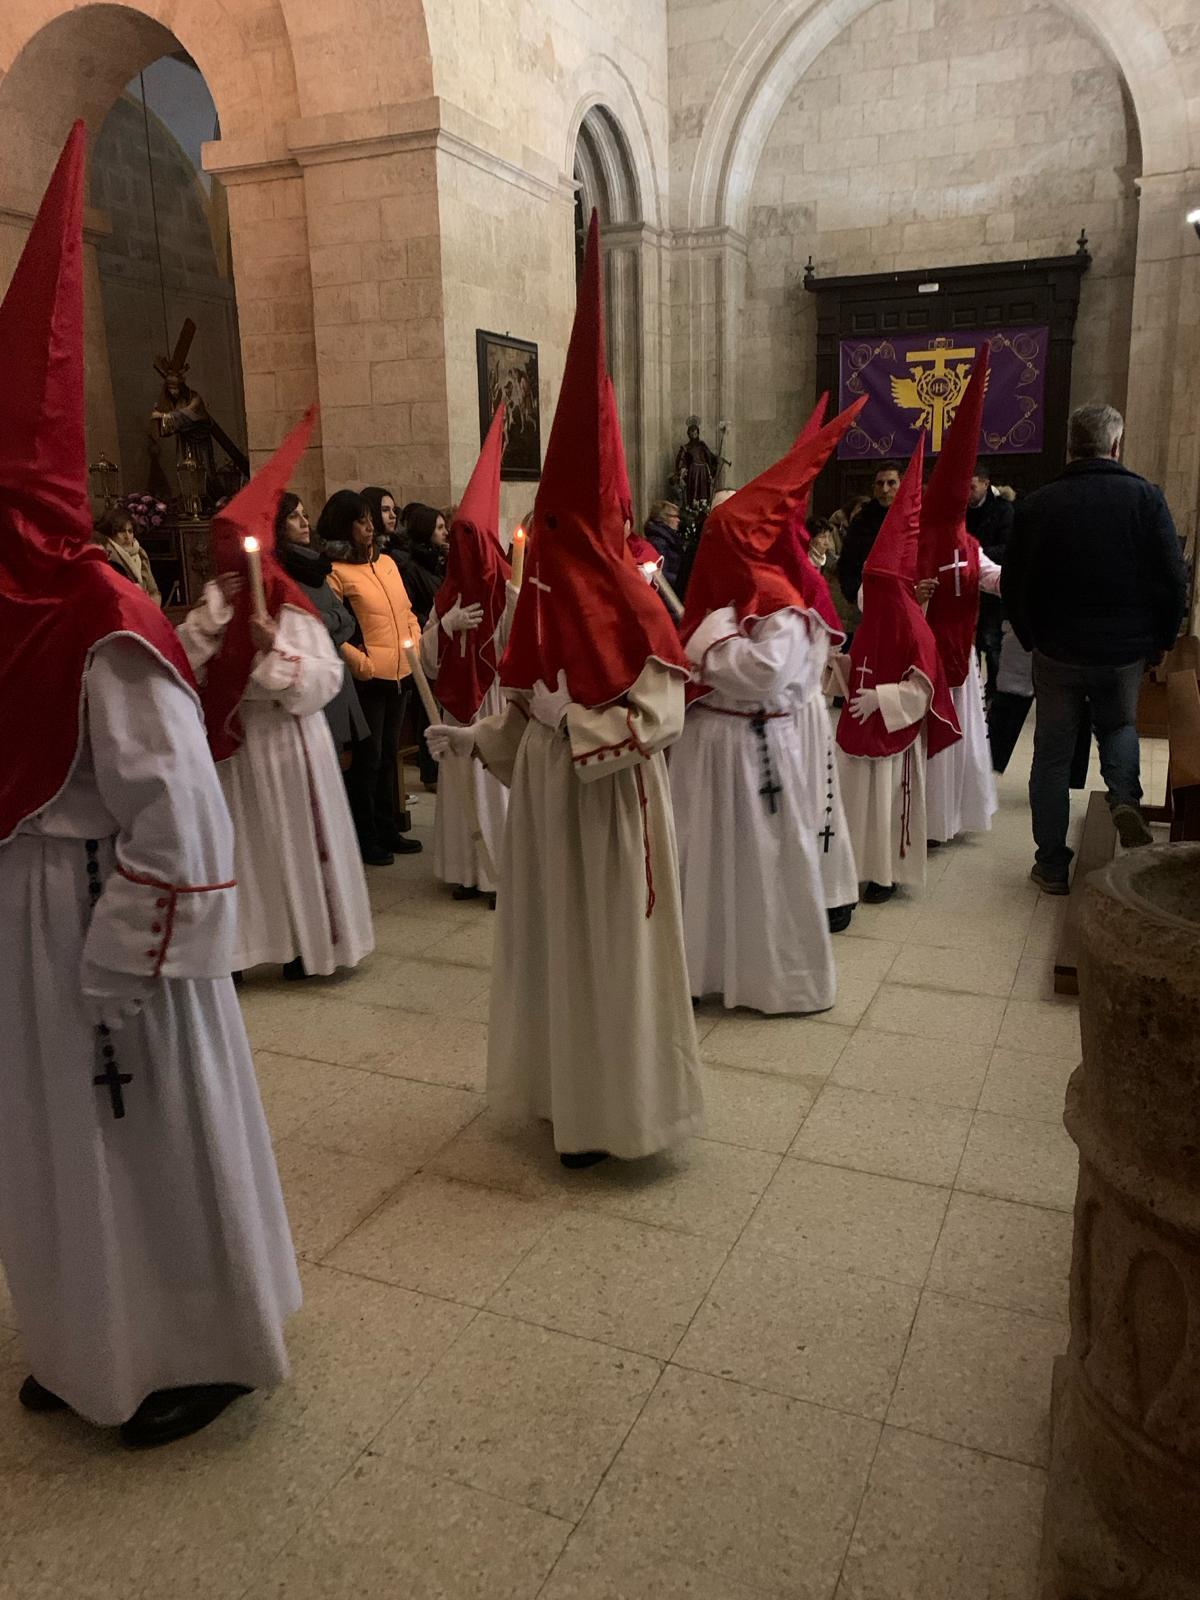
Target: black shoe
(295, 969)
(934, 844)
(839, 918)
(1049, 883)
(404, 846)
(464, 891)
(576, 1160)
(491, 900)
(378, 858)
(239, 979)
(1131, 827)
(34, 1398)
(170, 1414)
(876, 893)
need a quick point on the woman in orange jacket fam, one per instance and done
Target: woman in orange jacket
(372, 587)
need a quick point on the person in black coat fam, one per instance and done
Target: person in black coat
(990, 520)
(1094, 586)
(864, 526)
(302, 560)
(423, 569)
(662, 531)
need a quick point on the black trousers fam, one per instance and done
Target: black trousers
(987, 639)
(1006, 717)
(371, 778)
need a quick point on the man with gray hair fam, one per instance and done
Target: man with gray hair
(1094, 586)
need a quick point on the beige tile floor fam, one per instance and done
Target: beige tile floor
(807, 1358)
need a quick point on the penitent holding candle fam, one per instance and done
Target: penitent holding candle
(422, 682)
(258, 594)
(518, 557)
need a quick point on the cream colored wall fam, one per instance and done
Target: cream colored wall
(936, 135)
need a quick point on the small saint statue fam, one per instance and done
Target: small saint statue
(695, 469)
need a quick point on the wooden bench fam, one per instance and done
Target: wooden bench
(1183, 785)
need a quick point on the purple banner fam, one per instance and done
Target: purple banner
(916, 383)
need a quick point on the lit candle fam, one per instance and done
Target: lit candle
(422, 682)
(518, 557)
(258, 594)
(674, 603)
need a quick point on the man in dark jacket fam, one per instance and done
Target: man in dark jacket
(662, 531)
(990, 520)
(1094, 585)
(864, 526)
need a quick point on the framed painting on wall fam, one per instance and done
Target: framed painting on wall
(508, 375)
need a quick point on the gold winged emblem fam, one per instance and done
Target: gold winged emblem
(937, 386)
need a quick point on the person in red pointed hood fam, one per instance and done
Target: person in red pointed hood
(642, 551)
(591, 1023)
(899, 705)
(266, 677)
(960, 790)
(128, 1075)
(754, 783)
(793, 548)
(461, 648)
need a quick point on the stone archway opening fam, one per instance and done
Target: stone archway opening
(606, 181)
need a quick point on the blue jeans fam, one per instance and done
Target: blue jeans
(1067, 696)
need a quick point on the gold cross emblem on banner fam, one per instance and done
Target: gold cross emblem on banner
(936, 388)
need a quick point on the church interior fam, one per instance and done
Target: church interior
(839, 1345)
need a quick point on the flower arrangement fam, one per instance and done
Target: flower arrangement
(144, 510)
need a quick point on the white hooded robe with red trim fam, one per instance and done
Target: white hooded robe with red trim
(142, 1229)
(591, 1025)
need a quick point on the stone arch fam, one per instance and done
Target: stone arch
(610, 154)
(782, 41)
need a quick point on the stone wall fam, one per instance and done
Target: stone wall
(933, 133)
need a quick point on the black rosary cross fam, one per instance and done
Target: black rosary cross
(770, 790)
(826, 833)
(112, 1077)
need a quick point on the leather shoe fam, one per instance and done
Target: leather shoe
(35, 1398)
(839, 918)
(404, 846)
(294, 970)
(576, 1160)
(876, 893)
(378, 858)
(170, 1414)
(464, 891)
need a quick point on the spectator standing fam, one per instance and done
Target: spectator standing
(371, 585)
(990, 520)
(424, 569)
(117, 536)
(662, 531)
(863, 528)
(1094, 586)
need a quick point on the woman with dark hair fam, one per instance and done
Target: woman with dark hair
(424, 570)
(302, 559)
(116, 534)
(385, 515)
(372, 587)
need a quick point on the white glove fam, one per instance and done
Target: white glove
(549, 706)
(461, 619)
(864, 704)
(442, 740)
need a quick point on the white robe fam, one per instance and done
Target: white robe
(960, 787)
(468, 823)
(591, 1020)
(151, 1251)
(301, 889)
(823, 784)
(884, 796)
(754, 904)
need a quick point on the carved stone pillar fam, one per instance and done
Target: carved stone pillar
(1123, 1502)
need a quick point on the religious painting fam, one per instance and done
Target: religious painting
(508, 375)
(914, 385)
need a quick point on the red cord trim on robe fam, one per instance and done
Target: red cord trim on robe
(906, 804)
(606, 749)
(172, 893)
(641, 749)
(319, 832)
(651, 897)
(296, 662)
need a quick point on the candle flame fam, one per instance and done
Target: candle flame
(407, 643)
(250, 545)
(520, 534)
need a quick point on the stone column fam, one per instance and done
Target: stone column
(1163, 440)
(708, 297)
(1123, 1502)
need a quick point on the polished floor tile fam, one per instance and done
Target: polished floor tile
(1004, 1254)
(623, 1283)
(834, 1218)
(834, 1337)
(1020, 1158)
(527, 1414)
(944, 1071)
(796, 1047)
(936, 1014)
(883, 1133)
(943, 1523)
(1022, 1084)
(979, 1376)
(757, 1110)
